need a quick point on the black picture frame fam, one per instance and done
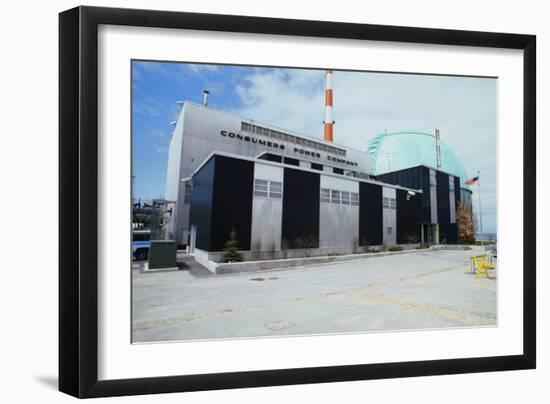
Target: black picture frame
(78, 196)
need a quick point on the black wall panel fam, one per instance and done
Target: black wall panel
(443, 206)
(232, 202)
(414, 178)
(300, 207)
(448, 233)
(409, 214)
(426, 200)
(457, 191)
(370, 214)
(410, 177)
(201, 204)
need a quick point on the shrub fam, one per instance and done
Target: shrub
(466, 224)
(395, 248)
(231, 251)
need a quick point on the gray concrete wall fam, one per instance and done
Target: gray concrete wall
(172, 188)
(452, 201)
(252, 266)
(338, 223)
(267, 212)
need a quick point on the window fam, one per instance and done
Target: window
(291, 161)
(260, 188)
(339, 197)
(141, 236)
(325, 195)
(247, 127)
(275, 189)
(187, 194)
(345, 198)
(390, 231)
(386, 202)
(264, 188)
(393, 203)
(335, 196)
(338, 171)
(317, 166)
(272, 157)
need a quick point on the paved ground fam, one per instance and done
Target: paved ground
(423, 290)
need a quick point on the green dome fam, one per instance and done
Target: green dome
(400, 150)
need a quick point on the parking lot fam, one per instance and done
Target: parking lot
(430, 289)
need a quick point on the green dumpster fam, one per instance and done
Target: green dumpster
(162, 255)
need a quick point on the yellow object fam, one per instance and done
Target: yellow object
(481, 265)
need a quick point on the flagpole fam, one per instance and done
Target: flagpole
(480, 214)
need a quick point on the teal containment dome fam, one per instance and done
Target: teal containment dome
(400, 150)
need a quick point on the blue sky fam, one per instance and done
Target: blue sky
(463, 108)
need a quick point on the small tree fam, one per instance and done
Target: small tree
(231, 251)
(465, 222)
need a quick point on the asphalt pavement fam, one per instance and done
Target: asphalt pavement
(432, 289)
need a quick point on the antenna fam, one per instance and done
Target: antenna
(437, 149)
(388, 155)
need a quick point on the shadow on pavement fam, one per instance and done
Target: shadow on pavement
(195, 269)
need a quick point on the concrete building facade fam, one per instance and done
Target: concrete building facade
(282, 190)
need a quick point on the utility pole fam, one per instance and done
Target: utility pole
(480, 212)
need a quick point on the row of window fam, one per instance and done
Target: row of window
(274, 134)
(389, 203)
(339, 197)
(187, 194)
(268, 189)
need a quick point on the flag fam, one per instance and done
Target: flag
(472, 181)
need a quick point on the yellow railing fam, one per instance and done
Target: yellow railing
(481, 264)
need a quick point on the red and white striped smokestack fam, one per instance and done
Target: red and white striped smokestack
(329, 123)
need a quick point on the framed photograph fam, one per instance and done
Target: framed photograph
(249, 201)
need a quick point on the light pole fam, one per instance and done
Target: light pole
(480, 212)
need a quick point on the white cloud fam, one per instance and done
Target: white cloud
(148, 106)
(160, 148)
(464, 109)
(201, 68)
(160, 68)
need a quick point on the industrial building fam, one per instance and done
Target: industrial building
(281, 190)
